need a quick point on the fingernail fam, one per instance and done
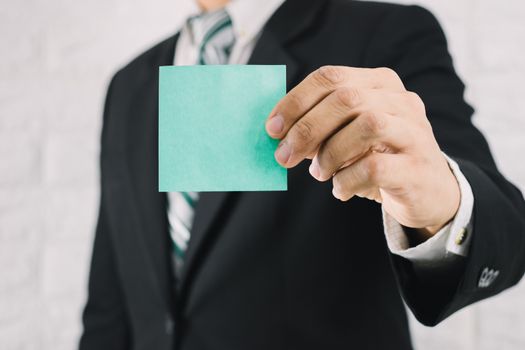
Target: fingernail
(282, 155)
(314, 169)
(275, 125)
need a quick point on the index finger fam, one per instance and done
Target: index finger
(318, 84)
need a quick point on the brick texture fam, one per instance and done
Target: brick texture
(57, 57)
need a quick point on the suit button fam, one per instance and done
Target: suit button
(461, 236)
(169, 325)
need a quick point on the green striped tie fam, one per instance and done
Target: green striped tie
(214, 32)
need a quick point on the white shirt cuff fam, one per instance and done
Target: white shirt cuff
(454, 238)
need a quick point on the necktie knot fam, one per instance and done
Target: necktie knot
(213, 31)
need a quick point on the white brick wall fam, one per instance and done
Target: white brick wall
(56, 59)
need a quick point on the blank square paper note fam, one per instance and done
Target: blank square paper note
(212, 128)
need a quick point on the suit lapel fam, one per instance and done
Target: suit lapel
(270, 51)
(144, 202)
(291, 19)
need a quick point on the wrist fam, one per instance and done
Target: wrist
(452, 198)
(429, 231)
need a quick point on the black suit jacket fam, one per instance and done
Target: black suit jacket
(296, 269)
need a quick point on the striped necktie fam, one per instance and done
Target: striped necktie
(214, 33)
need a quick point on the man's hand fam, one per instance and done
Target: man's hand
(371, 136)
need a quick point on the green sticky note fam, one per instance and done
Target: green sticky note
(212, 128)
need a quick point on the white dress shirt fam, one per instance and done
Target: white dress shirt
(248, 18)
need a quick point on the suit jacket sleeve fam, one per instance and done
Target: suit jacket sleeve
(410, 41)
(104, 318)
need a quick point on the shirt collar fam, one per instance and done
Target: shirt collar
(248, 17)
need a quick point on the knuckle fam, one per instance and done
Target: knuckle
(373, 168)
(328, 157)
(390, 75)
(415, 101)
(295, 101)
(387, 72)
(331, 155)
(328, 76)
(371, 124)
(427, 126)
(303, 133)
(339, 186)
(348, 97)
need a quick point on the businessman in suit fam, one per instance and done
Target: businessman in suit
(401, 198)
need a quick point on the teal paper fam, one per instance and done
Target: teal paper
(212, 128)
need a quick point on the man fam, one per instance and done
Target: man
(317, 266)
